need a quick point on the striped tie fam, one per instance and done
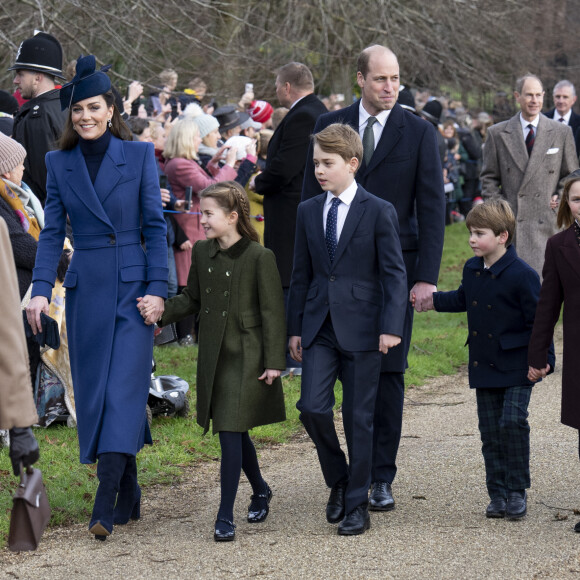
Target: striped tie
(530, 139)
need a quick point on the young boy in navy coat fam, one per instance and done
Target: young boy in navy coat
(499, 292)
(347, 305)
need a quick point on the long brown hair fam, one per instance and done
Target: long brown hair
(565, 217)
(70, 137)
(231, 196)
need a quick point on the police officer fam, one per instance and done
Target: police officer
(38, 125)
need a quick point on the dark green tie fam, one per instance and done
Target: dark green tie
(369, 140)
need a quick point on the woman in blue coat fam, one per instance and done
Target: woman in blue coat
(108, 188)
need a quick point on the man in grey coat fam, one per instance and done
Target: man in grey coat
(526, 160)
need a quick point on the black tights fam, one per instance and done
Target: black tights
(238, 452)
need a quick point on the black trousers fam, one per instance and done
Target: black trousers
(322, 363)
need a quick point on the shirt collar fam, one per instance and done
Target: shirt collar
(363, 115)
(566, 116)
(526, 123)
(346, 196)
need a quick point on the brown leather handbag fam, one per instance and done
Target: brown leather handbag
(30, 511)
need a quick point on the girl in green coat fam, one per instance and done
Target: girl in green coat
(235, 287)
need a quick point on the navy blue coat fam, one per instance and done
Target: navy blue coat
(501, 304)
(405, 170)
(110, 345)
(364, 288)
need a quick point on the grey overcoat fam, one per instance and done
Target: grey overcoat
(528, 182)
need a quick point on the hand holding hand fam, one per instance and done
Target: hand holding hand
(295, 348)
(387, 341)
(422, 294)
(36, 305)
(151, 308)
(535, 375)
(269, 375)
(187, 245)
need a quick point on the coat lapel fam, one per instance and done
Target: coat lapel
(391, 135)
(515, 144)
(79, 181)
(355, 213)
(544, 140)
(110, 171)
(317, 227)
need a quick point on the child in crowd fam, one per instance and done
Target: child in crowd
(561, 284)
(347, 304)
(499, 292)
(234, 286)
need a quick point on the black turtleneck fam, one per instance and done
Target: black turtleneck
(93, 151)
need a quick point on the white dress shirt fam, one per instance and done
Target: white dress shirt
(525, 124)
(346, 198)
(378, 127)
(566, 117)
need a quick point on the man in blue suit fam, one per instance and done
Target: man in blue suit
(401, 165)
(347, 303)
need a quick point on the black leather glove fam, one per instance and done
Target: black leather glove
(23, 448)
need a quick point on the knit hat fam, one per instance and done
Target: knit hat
(41, 53)
(205, 123)
(260, 111)
(8, 104)
(12, 154)
(432, 111)
(87, 83)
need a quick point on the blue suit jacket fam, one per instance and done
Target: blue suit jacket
(501, 304)
(364, 288)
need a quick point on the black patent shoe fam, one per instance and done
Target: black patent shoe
(381, 498)
(496, 508)
(335, 505)
(225, 531)
(259, 507)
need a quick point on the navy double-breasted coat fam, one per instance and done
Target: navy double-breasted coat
(110, 345)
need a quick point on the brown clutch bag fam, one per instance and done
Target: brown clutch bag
(30, 511)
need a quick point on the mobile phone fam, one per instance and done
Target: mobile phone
(249, 88)
(163, 181)
(188, 195)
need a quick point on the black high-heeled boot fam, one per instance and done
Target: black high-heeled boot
(129, 497)
(110, 469)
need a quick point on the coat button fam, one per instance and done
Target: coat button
(113, 240)
(492, 365)
(493, 276)
(489, 306)
(332, 278)
(477, 274)
(224, 313)
(474, 303)
(207, 290)
(228, 273)
(474, 333)
(226, 293)
(490, 336)
(475, 363)
(207, 310)
(210, 269)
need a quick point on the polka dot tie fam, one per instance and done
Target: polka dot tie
(331, 228)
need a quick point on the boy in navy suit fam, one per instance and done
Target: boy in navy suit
(347, 305)
(499, 292)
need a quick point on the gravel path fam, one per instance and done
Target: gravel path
(438, 529)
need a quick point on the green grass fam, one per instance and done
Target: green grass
(437, 348)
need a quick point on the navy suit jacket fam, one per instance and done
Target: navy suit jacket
(363, 289)
(574, 124)
(405, 170)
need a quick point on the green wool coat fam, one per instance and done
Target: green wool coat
(242, 332)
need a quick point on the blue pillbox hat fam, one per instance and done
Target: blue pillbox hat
(87, 82)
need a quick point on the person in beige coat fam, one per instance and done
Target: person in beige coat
(17, 411)
(525, 160)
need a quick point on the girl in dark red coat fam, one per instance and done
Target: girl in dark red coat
(561, 283)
